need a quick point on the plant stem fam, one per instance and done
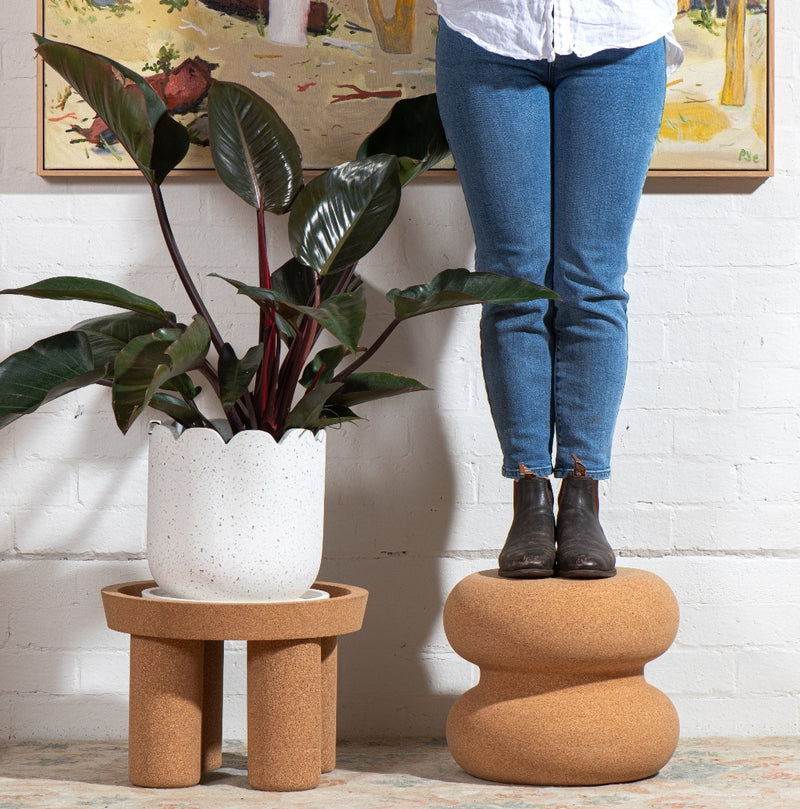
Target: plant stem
(357, 363)
(307, 333)
(234, 417)
(180, 266)
(267, 380)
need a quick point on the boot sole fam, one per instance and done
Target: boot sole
(526, 573)
(586, 574)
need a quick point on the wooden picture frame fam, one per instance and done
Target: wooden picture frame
(354, 59)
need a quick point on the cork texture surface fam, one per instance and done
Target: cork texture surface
(126, 611)
(562, 699)
(176, 667)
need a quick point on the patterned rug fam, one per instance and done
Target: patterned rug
(717, 773)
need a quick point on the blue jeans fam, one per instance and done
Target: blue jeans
(552, 157)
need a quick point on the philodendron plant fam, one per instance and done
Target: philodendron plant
(149, 359)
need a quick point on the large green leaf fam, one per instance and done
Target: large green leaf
(341, 214)
(366, 387)
(452, 288)
(48, 369)
(131, 108)
(413, 132)
(331, 415)
(307, 413)
(322, 368)
(150, 361)
(182, 384)
(254, 152)
(77, 288)
(294, 281)
(109, 334)
(235, 375)
(342, 315)
(177, 410)
(286, 314)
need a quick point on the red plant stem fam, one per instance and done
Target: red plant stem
(307, 332)
(194, 295)
(266, 323)
(345, 372)
(180, 266)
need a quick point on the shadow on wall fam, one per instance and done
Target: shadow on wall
(388, 519)
(391, 496)
(63, 673)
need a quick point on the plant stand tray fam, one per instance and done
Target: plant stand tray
(176, 662)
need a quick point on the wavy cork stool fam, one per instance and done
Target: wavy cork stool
(176, 660)
(562, 699)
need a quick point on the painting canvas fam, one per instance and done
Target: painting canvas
(333, 69)
(717, 114)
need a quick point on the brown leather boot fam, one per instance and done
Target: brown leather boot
(529, 551)
(583, 550)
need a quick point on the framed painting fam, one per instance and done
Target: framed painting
(718, 110)
(333, 69)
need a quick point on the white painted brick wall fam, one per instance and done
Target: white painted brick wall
(706, 490)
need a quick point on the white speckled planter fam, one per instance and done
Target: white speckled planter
(236, 521)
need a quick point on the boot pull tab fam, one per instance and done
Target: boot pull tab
(524, 471)
(580, 469)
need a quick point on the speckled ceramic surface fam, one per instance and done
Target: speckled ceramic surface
(703, 774)
(236, 521)
(309, 595)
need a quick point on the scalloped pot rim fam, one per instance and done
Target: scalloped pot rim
(295, 435)
(235, 521)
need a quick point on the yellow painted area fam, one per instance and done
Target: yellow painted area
(698, 122)
(759, 117)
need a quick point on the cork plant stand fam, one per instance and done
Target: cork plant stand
(562, 699)
(176, 659)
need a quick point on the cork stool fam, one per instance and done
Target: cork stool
(562, 699)
(176, 658)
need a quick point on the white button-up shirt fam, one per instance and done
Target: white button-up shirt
(540, 29)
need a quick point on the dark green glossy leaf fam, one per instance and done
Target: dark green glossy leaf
(176, 409)
(77, 288)
(48, 369)
(235, 375)
(335, 414)
(254, 152)
(295, 282)
(366, 387)
(132, 109)
(342, 315)
(109, 334)
(171, 143)
(413, 132)
(341, 214)
(270, 300)
(452, 288)
(307, 413)
(182, 384)
(149, 361)
(322, 368)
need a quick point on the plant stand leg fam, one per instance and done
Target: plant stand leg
(283, 714)
(165, 718)
(212, 704)
(330, 656)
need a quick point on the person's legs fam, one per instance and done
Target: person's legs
(496, 113)
(552, 158)
(606, 114)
